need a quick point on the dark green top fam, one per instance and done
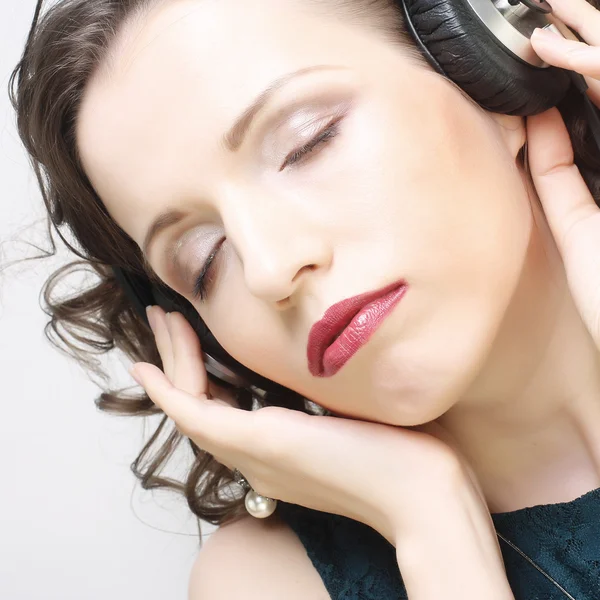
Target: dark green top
(357, 563)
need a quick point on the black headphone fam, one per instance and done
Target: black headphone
(481, 45)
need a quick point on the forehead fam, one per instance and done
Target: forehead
(180, 76)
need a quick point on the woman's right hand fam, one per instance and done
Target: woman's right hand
(381, 475)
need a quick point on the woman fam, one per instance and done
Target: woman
(459, 447)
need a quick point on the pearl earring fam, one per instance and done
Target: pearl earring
(258, 506)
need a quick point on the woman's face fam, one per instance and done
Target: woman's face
(413, 183)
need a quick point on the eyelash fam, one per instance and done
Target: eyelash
(323, 137)
(295, 157)
(199, 291)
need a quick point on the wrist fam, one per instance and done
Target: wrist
(451, 569)
(451, 549)
(393, 507)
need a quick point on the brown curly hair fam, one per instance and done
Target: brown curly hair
(64, 47)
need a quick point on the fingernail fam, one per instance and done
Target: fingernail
(550, 32)
(151, 318)
(134, 374)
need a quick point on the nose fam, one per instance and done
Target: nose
(280, 245)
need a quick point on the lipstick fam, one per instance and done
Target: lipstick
(347, 326)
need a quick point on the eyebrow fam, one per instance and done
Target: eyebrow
(163, 221)
(232, 141)
(235, 137)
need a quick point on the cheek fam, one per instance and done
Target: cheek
(248, 329)
(461, 213)
(454, 202)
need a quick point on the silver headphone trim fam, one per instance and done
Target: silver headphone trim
(214, 367)
(512, 26)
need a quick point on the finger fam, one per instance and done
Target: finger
(580, 16)
(212, 425)
(572, 55)
(567, 54)
(189, 373)
(565, 197)
(158, 321)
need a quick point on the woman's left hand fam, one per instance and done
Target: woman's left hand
(583, 58)
(570, 209)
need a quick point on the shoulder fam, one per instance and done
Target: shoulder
(255, 559)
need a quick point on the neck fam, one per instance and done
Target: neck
(529, 425)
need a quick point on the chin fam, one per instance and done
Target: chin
(407, 394)
(408, 409)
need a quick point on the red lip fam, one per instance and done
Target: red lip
(355, 319)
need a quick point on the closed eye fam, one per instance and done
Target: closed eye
(323, 137)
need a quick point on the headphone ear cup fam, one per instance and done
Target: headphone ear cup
(472, 57)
